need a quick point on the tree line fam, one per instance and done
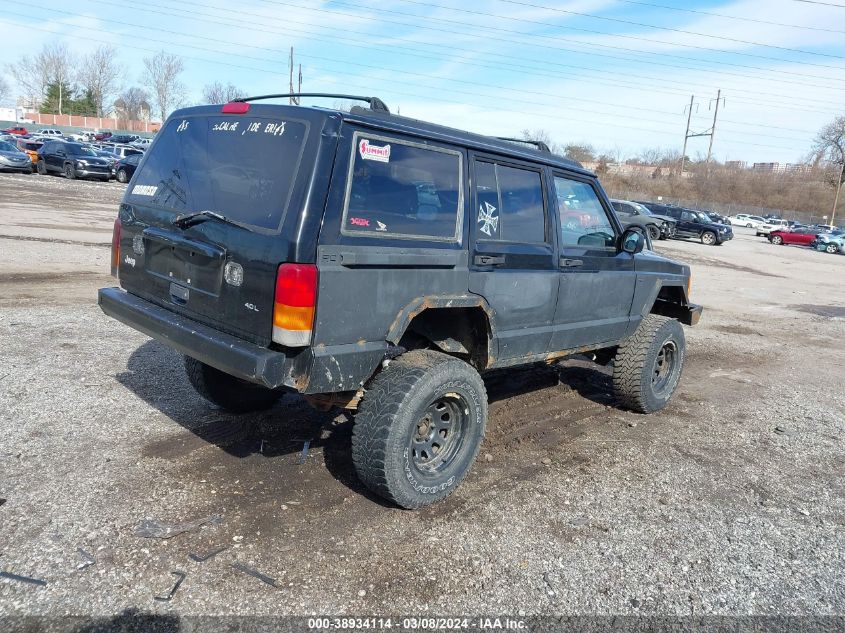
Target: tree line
(57, 81)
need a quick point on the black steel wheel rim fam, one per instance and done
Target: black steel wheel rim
(664, 367)
(439, 434)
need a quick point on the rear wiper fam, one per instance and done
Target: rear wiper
(185, 220)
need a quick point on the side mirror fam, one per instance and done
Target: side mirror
(633, 241)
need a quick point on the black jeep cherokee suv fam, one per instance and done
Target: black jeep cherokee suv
(381, 264)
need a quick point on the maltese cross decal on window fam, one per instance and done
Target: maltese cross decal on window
(487, 219)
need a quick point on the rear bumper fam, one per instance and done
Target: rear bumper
(227, 353)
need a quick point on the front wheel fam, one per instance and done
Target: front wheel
(653, 232)
(708, 238)
(648, 365)
(419, 427)
(831, 248)
(41, 168)
(226, 391)
(121, 176)
(777, 240)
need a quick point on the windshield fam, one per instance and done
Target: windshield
(78, 150)
(241, 167)
(641, 208)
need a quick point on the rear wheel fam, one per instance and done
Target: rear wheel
(648, 365)
(228, 392)
(708, 238)
(419, 427)
(777, 240)
(70, 172)
(41, 168)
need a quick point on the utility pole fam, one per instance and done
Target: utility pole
(293, 100)
(686, 134)
(713, 129)
(838, 187)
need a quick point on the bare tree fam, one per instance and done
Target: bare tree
(218, 93)
(161, 76)
(133, 104)
(542, 136)
(829, 145)
(5, 90)
(32, 78)
(59, 62)
(100, 75)
(581, 152)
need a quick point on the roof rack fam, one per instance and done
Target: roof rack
(374, 102)
(538, 144)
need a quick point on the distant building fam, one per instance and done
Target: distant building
(781, 168)
(769, 167)
(736, 164)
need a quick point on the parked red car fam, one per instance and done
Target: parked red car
(18, 129)
(102, 136)
(802, 237)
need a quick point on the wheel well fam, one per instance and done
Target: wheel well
(671, 301)
(461, 332)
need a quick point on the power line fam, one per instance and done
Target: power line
(402, 71)
(803, 107)
(499, 66)
(572, 28)
(827, 4)
(605, 18)
(531, 43)
(554, 115)
(729, 17)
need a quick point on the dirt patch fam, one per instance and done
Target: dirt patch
(831, 312)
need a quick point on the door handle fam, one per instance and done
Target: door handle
(571, 263)
(488, 260)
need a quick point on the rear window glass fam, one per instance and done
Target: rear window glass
(401, 189)
(241, 167)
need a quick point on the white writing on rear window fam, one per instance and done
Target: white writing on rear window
(276, 129)
(226, 126)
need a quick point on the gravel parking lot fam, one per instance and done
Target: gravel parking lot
(729, 502)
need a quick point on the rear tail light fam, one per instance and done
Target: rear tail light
(293, 309)
(235, 107)
(115, 248)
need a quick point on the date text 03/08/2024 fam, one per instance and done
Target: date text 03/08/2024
(417, 624)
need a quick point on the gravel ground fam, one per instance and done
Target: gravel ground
(728, 502)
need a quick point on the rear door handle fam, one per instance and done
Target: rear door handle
(489, 260)
(571, 263)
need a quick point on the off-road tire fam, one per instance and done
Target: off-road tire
(709, 238)
(228, 392)
(636, 360)
(122, 176)
(389, 419)
(777, 240)
(653, 232)
(70, 172)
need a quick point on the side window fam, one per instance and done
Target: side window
(686, 216)
(403, 189)
(583, 220)
(510, 203)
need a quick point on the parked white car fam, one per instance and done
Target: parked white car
(142, 143)
(743, 219)
(49, 132)
(771, 225)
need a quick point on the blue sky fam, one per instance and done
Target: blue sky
(590, 71)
